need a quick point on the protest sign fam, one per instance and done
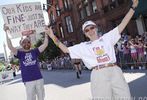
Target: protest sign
(23, 18)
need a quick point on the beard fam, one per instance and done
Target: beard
(26, 47)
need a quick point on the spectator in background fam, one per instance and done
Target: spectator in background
(126, 54)
(77, 65)
(133, 50)
(140, 50)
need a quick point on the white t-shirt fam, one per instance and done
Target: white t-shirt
(100, 51)
(133, 49)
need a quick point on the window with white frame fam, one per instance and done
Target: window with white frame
(94, 6)
(81, 14)
(87, 10)
(69, 24)
(61, 30)
(52, 17)
(58, 10)
(65, 3)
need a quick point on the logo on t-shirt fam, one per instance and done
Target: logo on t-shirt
(28, 61)
(102, 56)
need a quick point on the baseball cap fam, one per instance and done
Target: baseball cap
(25, 38)
(87, 23)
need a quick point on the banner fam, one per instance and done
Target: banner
(6, 75)
(23, 18)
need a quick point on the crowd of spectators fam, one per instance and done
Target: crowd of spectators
(131, 52)
(61, 62)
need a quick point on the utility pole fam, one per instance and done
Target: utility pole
(5, 52)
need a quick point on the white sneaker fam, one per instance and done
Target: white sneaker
(132, 67)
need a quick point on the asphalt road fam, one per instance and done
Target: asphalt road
(63, 85)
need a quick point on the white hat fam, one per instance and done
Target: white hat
(87, 23)
(25, 38)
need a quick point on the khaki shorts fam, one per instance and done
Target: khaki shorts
(34, 88)
(109, 84)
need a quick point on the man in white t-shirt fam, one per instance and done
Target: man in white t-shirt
(107, 81)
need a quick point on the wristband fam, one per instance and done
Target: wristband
(56, 41)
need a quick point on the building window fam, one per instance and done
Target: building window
(69, 24)
(82, 13)
(61, 30)
(66, 3)
(58, 10)
(84, 9)
(52, 17)
(87, 10)
(94, 6)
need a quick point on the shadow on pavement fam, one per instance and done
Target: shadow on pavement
(138, 87)
(65, 78)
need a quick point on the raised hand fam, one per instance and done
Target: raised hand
(63, 47)
(135, 3)
(49, 31)
(6, 28)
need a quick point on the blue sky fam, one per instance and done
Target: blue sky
(2, 33)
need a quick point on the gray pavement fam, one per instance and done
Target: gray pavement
(63, 85)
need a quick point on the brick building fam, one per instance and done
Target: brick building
(67, 17)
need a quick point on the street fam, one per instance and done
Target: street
(63, 85)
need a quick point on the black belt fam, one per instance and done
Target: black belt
(104, 66)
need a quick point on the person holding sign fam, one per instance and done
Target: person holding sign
(29, 65)
(98, 54)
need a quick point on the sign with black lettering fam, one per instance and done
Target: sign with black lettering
(23, 18)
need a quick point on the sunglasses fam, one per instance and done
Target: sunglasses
(87, 30)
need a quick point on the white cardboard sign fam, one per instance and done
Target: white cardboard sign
(23, 18)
